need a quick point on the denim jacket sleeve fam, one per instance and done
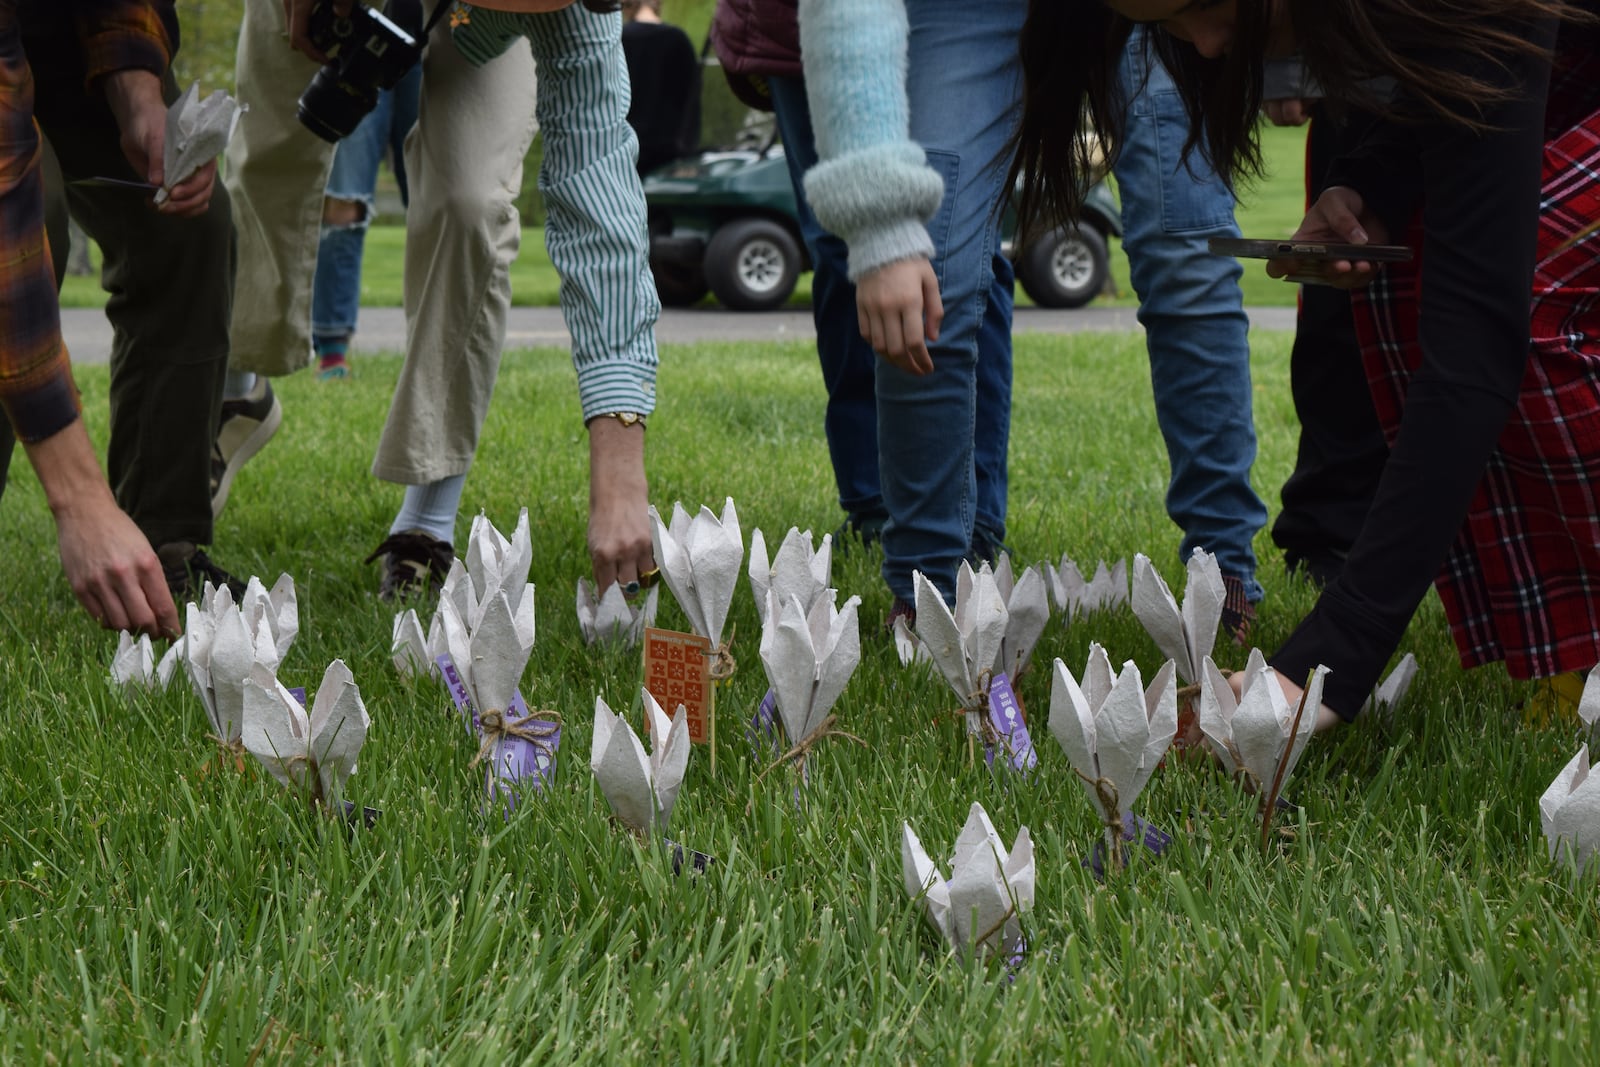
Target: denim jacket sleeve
(873, 186)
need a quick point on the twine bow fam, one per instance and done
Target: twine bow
(803, 747)
(226, 748)
(540, 728)
(1105, 791)
(722, 661)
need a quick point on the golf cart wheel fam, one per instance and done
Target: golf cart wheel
(679, 285)
(752, 265)
(1066, 268)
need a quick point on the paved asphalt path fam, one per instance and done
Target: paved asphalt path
(88, 335)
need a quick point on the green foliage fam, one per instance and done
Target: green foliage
(160, 906)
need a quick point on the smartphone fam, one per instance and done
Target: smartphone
(1245, 248)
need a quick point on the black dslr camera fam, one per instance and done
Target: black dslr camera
(368, 51)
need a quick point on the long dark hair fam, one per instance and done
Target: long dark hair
(1069, 51)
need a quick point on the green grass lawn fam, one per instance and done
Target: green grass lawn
(156, 907)
(1270, 208)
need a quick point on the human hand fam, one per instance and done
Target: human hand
(619, 503)
(1290, 111)
(1339, 217)
(141, 112)
(112, 569)
(297, 16)
(895, 306)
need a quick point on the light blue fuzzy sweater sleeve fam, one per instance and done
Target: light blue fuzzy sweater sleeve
(872, 185)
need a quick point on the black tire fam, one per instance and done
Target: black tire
(752, 265)
(679, 285)
(1066, 268)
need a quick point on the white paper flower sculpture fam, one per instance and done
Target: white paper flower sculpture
(221, 646)
(963, 645)
(613, 619)
(197, 132)
(1186, 637)
(980, 906)
(796, 570)
(641, 789)
(1570, 813)
(1076, 597)
(134, 667)
(1253, 734)
(497, 653)
(699, 561)
(1027, 612)
(1114, 733)
(314, 754)
(413, 652)
(1589, 701)
(493, 565)
(808, 657)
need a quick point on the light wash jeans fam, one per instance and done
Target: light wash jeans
(336, 289)
(1195, 326)
(964, 86)
(849, 364)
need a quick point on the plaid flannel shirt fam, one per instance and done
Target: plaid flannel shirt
(36, 388)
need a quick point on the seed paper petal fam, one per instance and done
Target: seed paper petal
(1072, 724)
(936, 627)
(1217, 705)
(1027, 612)
(924, 882)
(274, 729)
(1161, 706)
(1157, 611)
(1122, 730)
(672, 557)
(498, 657)
(669, 759)
(1589, 703)
(408, 648)
(133, 664)
(839, 660)
(790, 663)
(233, 654)
(1203, 597)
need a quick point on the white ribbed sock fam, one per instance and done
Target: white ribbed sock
(432, 508)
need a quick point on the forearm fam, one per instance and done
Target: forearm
(872, 186)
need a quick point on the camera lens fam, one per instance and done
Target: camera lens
(331, 108)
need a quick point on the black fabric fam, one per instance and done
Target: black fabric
(665, 109)
(1341, 451)
(1479, 194)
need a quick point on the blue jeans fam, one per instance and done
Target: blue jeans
(336, 288)
(943, 437)
(1193, 315)
(849, 366)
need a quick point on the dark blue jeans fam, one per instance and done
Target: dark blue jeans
(849, 366)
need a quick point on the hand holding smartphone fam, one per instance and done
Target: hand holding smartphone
(1313, 262)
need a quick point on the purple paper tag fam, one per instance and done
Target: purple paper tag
(697, 861)
(1154, 839)
(458, 692)
(299, 693)
(1005, 715)
(763, 732)
(514, 759)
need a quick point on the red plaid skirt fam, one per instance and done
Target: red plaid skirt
(1522, 580)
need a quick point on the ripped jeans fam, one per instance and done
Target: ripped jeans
(336, 289)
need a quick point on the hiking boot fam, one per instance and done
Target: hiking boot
(187, 569)
(243, 429)
(863, 526)
(414, 563)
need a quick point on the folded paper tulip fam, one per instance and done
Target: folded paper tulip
(963, 645)
(1113, 730)
(613, 619)
(980, 906)
(1257, 733)
(197, 132)
(699, 561)
(1187, 636)
(1027, 612)
(223, 644)
(314, 754)
(134, 667)
(1570, 813)
(808, 655)
(642, 790)
(1076, 598)
(796, 571)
